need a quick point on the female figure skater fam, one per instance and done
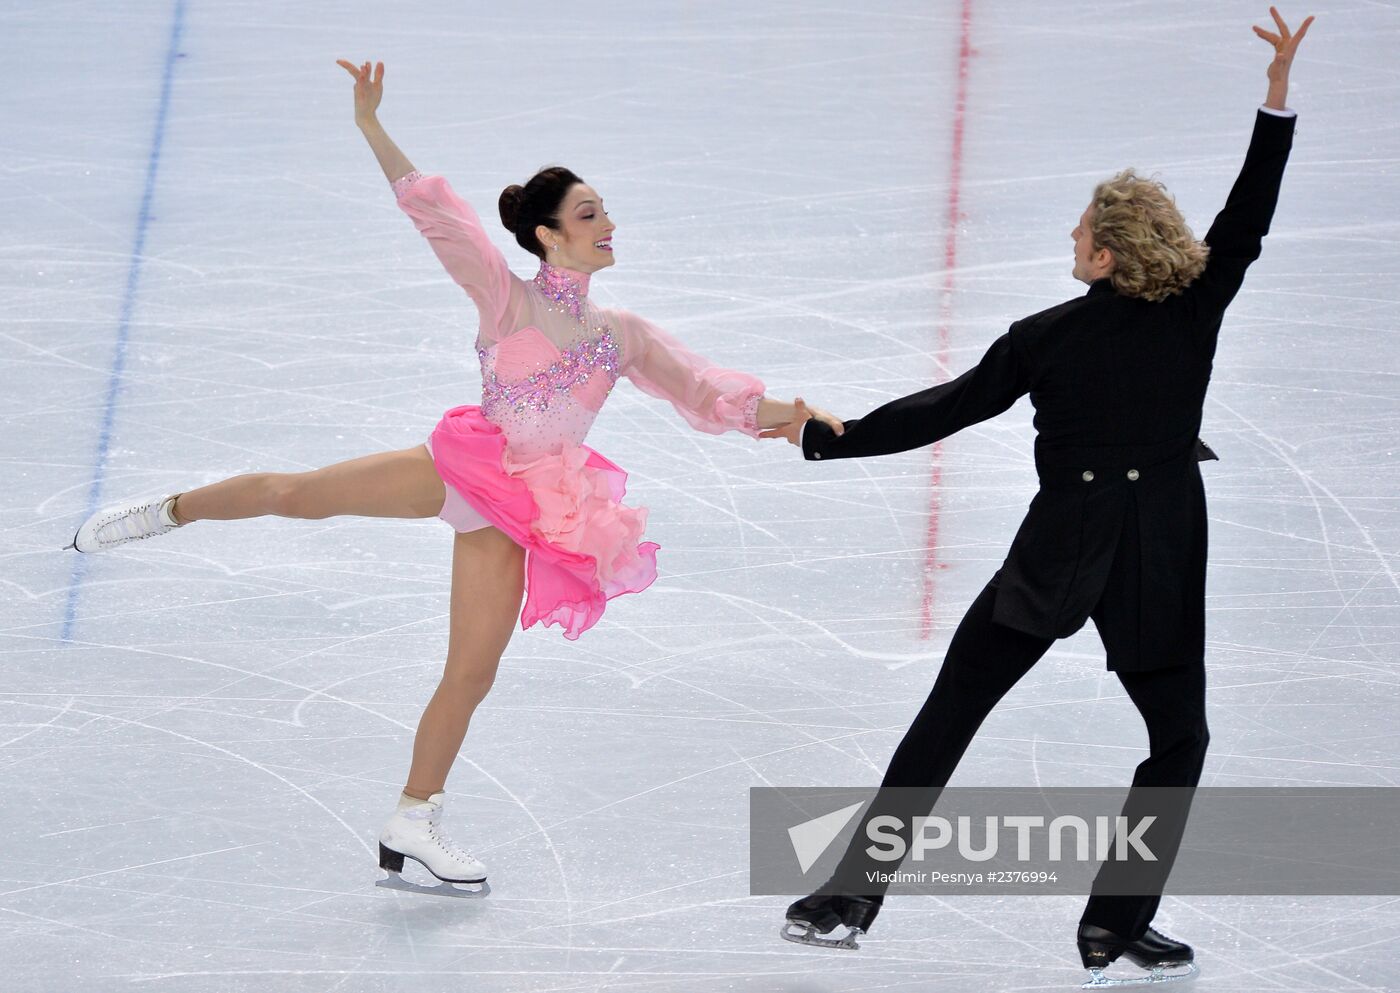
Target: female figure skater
(535, 510)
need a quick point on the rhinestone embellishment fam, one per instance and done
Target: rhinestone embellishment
(574, 367)
(567, 288)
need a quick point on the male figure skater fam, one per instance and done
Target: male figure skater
(1117, 532)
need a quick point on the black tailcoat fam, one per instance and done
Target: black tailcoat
(1118, 528)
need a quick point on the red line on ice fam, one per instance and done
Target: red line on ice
(945, 312)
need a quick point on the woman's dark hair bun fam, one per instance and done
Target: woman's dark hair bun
(524, 208)
(510, 206)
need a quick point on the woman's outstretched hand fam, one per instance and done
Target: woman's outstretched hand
(1285, 47)
(792, 430)
(368, 89)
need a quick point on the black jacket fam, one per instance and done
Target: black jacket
(1118, 528)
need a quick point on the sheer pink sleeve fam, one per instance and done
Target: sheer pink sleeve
(454, 231)
(710, 398)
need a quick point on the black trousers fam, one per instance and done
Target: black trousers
(984, 661)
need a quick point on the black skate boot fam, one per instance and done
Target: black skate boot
(1164, 959)
(821, 914)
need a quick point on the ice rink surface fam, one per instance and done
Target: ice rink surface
(205, 274)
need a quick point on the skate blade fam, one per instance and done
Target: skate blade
(803, 933)
(1167, 972)
(394, 881)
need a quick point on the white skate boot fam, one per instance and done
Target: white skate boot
(127, 522)
(415, 832)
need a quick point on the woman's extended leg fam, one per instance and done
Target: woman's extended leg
(387, 484)
(488, 578)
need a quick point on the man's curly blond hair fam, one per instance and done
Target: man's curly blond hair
(1155, 254)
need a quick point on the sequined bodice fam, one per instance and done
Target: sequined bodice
(541, 395)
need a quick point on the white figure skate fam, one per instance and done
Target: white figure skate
(118, 525)
(415, 832)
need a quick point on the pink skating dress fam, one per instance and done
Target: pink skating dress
(549, 359)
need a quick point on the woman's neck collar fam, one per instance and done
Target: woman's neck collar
(568, 287)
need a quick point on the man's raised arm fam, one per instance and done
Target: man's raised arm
(1236, 238)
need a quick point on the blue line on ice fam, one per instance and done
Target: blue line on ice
(133, 280)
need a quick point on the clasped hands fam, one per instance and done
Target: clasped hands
(801, 414)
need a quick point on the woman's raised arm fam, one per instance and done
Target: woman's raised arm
(368, 92)
(449, 223)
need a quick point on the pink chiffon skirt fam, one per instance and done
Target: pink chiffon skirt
(582, 545)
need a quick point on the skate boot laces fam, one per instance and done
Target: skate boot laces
(432, 815)
(134, 524)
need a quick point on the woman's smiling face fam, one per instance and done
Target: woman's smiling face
(583, 240)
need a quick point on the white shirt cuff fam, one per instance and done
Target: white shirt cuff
(1285, 112)
(802, 431)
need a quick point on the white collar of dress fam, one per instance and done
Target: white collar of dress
(563, 286)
